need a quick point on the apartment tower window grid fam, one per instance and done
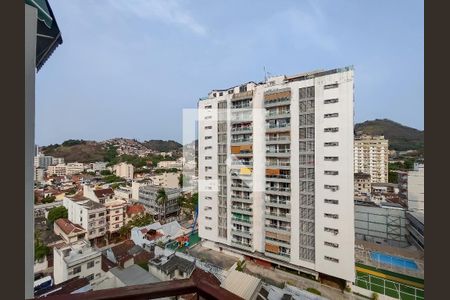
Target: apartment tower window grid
(284, 166)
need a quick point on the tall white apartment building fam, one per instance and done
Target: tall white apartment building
(276, 171)
(124, 170)
(416, 188)
(372, 157)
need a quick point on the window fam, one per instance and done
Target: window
(208, 137)
(331, 144)
(230, 91)
(242, 88)
(331, 129)
(331, 172)
(208, 157)
(208, 208)
(116, 219)
(209, 106)
(208, 218)
(76, 269)
(101, 214)
(208, 117)
(331, 158)
(92, 216)
(208, 177)
(208, 198)
(306, 92)
(331, 201)
(329, 101)
(331, 259)
(208, 127)
(332, 230)
(330, 86)
(334, 188)
(221, 94)
(90, 264)
(208, 228)
(208, 168)
(101, 229)
(332, 216)
(333, 115)
(334, 245)
(90, 277)
(208, 147)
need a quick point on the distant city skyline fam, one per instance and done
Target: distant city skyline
(129, 68)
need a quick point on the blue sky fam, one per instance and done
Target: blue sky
(127, 68)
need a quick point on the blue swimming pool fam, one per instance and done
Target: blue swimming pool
(393, 260)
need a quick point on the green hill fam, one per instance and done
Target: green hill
(401, 138)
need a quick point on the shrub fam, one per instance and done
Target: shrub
(375, 296)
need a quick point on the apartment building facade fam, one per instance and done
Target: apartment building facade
(87, 213)
(372, 157)
(77, 260)
(416, 188)
(276, 170)
(58, 170)
(148, 197)
(124, 170)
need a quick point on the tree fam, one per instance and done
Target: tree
(162, 199)
(57, 213)
(392, 177)
(40, 250)
(48, 199)
(240, 265)
(105, 172)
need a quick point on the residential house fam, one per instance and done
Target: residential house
(115, 215)
(98, 195)
(127, 254)
(150, 234)
(171, 268)
(78, 259)
(68, 231)
(133, 211)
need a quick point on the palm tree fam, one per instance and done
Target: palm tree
(161, 198)
(181, 202)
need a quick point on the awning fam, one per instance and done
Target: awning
(48, 34)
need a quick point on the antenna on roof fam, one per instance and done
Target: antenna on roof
(265, 74)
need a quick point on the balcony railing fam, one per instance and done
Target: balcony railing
(240, 129)
(241, 162)
(278, 163)
(277, 101)
(242, 220)
(241, 207)
(281, 125)
(278, 139)
(282, 228)
(280, 203)
(242, 105)
(278, 189)
(279, 151)
(277, 113)
(200, 283)
(241, 140)
(280, 176)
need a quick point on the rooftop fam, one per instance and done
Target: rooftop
(242, 284)
(68, 227)
(133, 275)
(100, 193)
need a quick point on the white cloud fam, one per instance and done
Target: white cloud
(167, 11)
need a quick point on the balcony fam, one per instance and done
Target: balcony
(278, 178)
(278, 153)
(241, 221)
(241, 140)
(280, 229)
(278, 114)
(278, 127)
(241, 245)
(242, 96)
(277, 102)
(246, 129)
(243, 233)
(247, 163)
(279, 203)
(242, 105)
(243, 199)
(241, 210)
(201, 283)
(284, 165)
(278, 216)
(241, 187)
(278, 190)
(278, 140)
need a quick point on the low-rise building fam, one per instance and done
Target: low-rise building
(115, 215)
(39, 174)
(99, 195)
(74, 168)
(123, 192)
(127, 254)
(167, 180)
(362, 184)
(134, 211)
(170, 164)
(68, 231)
(148, 197)
(58, 170)
(381, 224)
(76, 259)
(89, 214)
(150, 234)
(171, 268)
(98, 166)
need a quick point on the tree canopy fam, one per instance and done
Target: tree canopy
(57, 213)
